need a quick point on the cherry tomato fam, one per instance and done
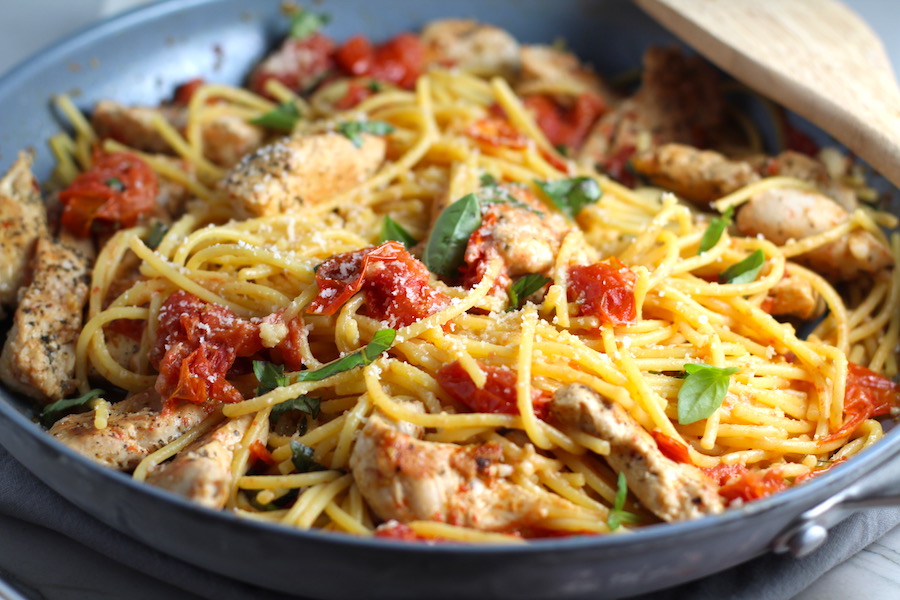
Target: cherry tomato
(604, 290)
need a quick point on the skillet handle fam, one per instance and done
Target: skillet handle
(810, 530)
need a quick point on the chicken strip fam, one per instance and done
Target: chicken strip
(471, 46)
(795, 297)
(38, 357)
(202, 471)
(784, 214)
(406, 479)
(136, 427)
(23, 219)
(701, 176)
(555, 67)
(228, 138)
(671, 490)
(300, 170)
(806, 168)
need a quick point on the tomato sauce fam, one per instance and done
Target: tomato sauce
(498, 394)
(604, 290)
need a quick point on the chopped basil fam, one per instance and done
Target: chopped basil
(392, 230)
(353, 130)
(115, 183)
(374, 86)
(563, 150)
(156, 235)
(702, 391)
(53, 412)
(571, 195)
(305, 23)
(282, 118)
(269, 376)
(715, 229)
(305, 404)
(524, 287)
(381, 341)
(618, 514)
(302, 457)
(744, 271)
(450, 235)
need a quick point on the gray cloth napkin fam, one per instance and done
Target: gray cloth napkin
(51, 550)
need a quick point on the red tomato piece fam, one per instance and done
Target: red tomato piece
(298, 64)
(196, 345)
(260, 453)
(671, 448)
(395, 530)
(114, 192)
(867, 395)
(816, 472)
(498, 133)
(399, 60)
(396, 285)
(604, 290)
(566, 126)
(498, 394)
(186, 91)
(753, 485)
(356, 93)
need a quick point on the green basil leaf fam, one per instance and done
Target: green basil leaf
(744, 271)
(618, 514)
(374, 86)
(381, 341)
(702, 391)
(115, 183)
(392, 230)
(715, 229)
(571, 195)
(305, 404)
(269, 376)
(305, 23)
(353, 130)
(53, 412)
(156, 235)
(450, 235)
(302, 457)
(524, 287)
(282, 118)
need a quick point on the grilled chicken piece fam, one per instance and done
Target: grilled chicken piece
(471, 46)
(671, 490)
(795, 297)
(136, 428)
(300, 170)
(23, 219)
(406, 479)
(228, 138)
(202, 471)
(701, 176)
(809, 169)
(546, 64)
(790, 214)
(38, 358)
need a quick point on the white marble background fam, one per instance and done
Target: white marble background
(28, 25)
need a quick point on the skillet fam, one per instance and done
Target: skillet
(138, 58)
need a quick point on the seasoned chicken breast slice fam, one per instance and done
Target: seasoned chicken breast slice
(300, 170)
(405, 479)
(202, 471)
(23, 219)
(672, 491)
(471, 46)
(38, 357)
(136, 427)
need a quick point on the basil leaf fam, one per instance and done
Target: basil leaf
(53, 412)
(302, 457)
(374, 86)
(492, 193)
(282, 118)
(702, 391)
(115, 183)
(618, 514)
(392, 230)
(381, 341)
(571, 195)
(305, 404)
(305, 23)
(269, 376)
(744, 271)
(450, 235)
(156, 235)
(715, 229)
(524, 287)
(353, 130)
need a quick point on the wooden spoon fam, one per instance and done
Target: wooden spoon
(816, 57)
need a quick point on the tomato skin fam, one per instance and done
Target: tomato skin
(399, 60)
(298, 64)
(117, 190)
(186, 91)
(260, 453)
(396, 285)
(497, 133)
(498, 394)
(671, 448)
(604, 290)
(867, 395)
(737, 481)
(566, 126)
(356, 93)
